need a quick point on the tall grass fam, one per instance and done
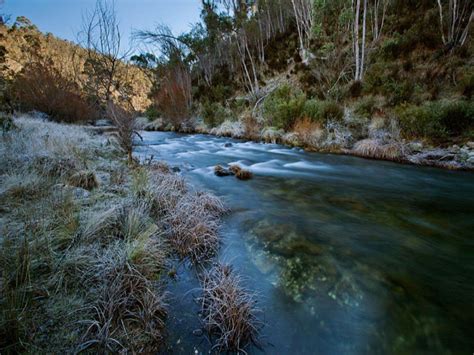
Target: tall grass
(229, 312)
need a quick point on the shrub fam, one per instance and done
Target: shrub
(366, 106)
(436, 120)
(126, 129)
(283, 106)
(213, 113)
(455, 116)
(251, 127)
(6, 122)
(173, 98)
(323, 111)
(467, 86)
(43, 88)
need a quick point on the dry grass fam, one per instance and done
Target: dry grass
(86, 274)
(372, 148)
(232, 129)
(84, 179)
(75, 266)
(308, 132)
(228, 311)
(128, 312)
(251, 127)
(194, 226)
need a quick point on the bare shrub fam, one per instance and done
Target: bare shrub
(372, 148)
(41, 87)
(174, 98)
(124, 121)
(228, 311)
(84, 179)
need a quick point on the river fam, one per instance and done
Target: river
(347, 255)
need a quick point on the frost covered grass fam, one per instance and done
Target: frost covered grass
(80, 270)
(376, 149)
(228, 311)
(87, 241)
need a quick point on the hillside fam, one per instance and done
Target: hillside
(23, 45)
(291, 74)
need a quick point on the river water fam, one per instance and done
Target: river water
(347, 255)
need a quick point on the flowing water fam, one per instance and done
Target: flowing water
(347, 255)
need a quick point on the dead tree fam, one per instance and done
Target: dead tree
(101, 37)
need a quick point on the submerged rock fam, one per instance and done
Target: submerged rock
(228, 145)
(244, 175)
(219, 170)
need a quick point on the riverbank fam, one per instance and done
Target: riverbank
(90, 244)
(376, 145)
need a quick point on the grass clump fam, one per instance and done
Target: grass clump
(84, 179)
(376, 149)
(228, 310)
(194, 225)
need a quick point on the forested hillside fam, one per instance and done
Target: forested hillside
(321, 74)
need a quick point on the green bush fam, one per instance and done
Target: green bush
(152, 112)
(365, 107)
(437, 120)
(323, 111)
(391, 47)
(283, 106)
(456, 116)
(213, 113)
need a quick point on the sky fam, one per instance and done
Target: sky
(63, 18)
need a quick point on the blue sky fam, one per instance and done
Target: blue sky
(63, 17)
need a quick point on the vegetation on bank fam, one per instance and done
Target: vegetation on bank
(322, 75)
(89, 239)
(319, 72)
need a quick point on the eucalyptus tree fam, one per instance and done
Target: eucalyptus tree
(455, 17)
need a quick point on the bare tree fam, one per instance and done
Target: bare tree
(379, 11)
(359, 37)
(455, 25)
(303, 11)
(125, 123)
(101, 37)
